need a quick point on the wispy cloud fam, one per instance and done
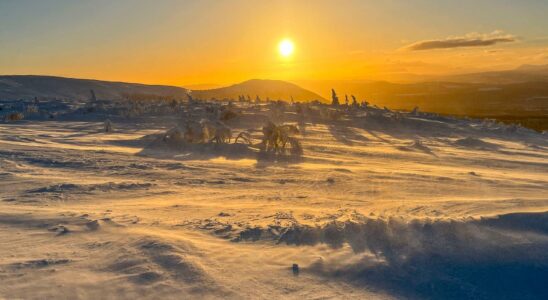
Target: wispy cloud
(469, 40)
(492, 51)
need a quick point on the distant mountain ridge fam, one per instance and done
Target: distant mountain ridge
(524, 73)
(367, 88)
(273, 89)
(30, 86)
(518, 92)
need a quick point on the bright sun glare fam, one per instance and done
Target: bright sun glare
(286, 48)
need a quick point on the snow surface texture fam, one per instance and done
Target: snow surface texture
(380, 205)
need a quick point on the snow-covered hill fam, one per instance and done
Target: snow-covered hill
(380, 205)
(28, 87)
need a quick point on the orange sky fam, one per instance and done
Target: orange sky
(190, 42)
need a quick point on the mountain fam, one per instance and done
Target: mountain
(273, 89)
(541, 69)
(29, 86)
(204, 86)
(487, 97)
(467, 99)
(524, 73)
(522, 91)
(414, 82)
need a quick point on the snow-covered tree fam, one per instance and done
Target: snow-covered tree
(354, 101)
(334, 98)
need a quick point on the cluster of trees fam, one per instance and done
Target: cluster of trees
(141, 97)
(243, 98)
(349, 101)
(247, 98)
(335, 100)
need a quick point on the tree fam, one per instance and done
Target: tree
(334, 98)
(354, 101)
(173, 104)
(93, 98)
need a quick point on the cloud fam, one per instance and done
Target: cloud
(469, 40)
(492, 51)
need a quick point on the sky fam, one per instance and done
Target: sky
(187, 42)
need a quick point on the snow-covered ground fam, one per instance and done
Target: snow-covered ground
(380, 205)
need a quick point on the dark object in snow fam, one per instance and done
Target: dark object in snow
(295, 269)
(93, 97)
(15, 116)
(108, 125)
(60, 229)
(228, 115)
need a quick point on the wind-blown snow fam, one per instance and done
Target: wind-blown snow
(380, 205)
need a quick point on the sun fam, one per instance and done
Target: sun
(286, 48)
